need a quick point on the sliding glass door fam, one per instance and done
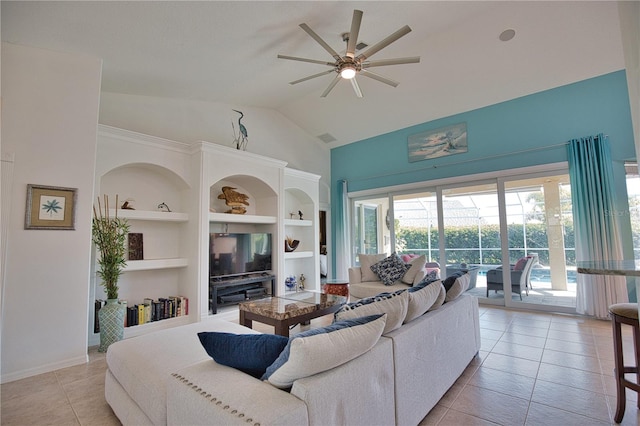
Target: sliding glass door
(416, 225)
(513, 235)
(540, 227)
(471, 232)
(371, 233)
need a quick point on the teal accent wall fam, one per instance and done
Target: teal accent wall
(496, 134)
(547, 118)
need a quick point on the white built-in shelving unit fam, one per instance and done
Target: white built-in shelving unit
(148, 171)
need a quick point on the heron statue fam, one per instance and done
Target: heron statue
(242, 139)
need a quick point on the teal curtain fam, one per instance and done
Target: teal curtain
(596, 228)
(342, 232)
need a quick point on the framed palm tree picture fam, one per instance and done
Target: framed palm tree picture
(50, 207)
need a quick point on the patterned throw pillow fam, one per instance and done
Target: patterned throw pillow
(428, 278)
(390, 269)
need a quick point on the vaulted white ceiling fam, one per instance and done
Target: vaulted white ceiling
(226, 51)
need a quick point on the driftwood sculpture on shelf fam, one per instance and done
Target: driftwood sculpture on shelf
(234, 199)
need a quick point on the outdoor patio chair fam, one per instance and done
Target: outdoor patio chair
(520, 276)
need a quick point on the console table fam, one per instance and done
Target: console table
(238, 289)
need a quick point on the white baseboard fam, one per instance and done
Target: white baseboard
(47, 368)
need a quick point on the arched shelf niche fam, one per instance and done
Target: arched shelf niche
(262, 199)
(145, 186)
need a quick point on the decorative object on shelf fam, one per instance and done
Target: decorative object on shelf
(234, 199)
(136, 251)
(163, 207)
(302, 279)
(109, 234)
(243, 137)
(127, 204)
(290, 244)
(291, 215)
(290, 282)
(300, 214)
(50, 207)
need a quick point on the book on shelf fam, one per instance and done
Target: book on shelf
(149, 310)
(141, 316)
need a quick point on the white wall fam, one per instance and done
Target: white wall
(270, 133)
(49, 122)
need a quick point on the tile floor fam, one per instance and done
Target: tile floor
(532, 369)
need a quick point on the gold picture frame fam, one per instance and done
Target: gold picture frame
(50, 207)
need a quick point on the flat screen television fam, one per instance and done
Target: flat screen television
(239, 253)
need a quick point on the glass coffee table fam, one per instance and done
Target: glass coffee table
(284, 311)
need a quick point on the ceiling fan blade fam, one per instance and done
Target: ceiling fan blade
(397, 61)
(356, 88)
(320, 74)
(379, 78)
(313, 61)
(331, 86)
(384, 43)
(353, 33)
(320, 41)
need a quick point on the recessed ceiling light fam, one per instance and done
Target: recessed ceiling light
(507, 35)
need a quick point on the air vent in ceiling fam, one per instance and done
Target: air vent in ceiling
(327, 137)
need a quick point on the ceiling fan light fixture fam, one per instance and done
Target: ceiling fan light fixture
(348, 72)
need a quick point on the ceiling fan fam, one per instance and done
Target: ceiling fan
(350, 65)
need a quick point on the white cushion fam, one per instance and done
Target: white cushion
(366, 261)
(460, 285)
(393, 304)
(417, 265)
(318, 350)
(440, 299)
(421, 299)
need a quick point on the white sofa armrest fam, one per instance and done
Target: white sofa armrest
(359, 392)
(355, 275)
(208, 393)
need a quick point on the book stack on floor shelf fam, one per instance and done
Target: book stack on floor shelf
(148, 311)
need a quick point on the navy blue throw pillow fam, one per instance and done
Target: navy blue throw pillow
(250, 353)
(448, 282)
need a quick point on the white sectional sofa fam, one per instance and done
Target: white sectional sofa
(166, 377)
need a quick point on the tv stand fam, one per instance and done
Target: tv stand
(229, 290)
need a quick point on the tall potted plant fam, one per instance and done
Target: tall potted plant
(109, 234)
